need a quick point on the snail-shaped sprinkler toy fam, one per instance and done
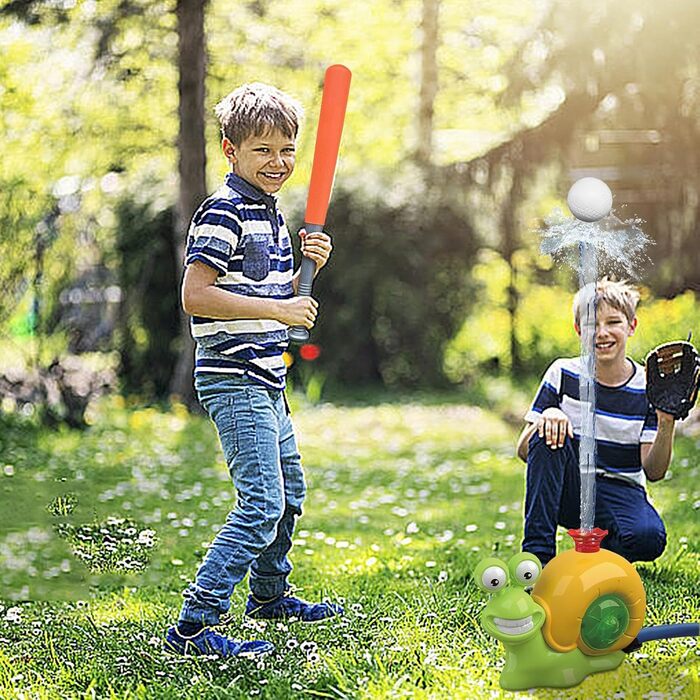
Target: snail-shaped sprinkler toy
(586, 607)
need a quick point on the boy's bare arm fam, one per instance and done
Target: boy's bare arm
(553, 425)
(656, 456)
(524, 440)
(201, 297)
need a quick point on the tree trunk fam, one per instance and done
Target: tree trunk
(509, 246)
(192, 161)
(428, 82)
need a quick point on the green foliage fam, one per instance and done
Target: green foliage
(397, 285)
(23, 198)
(544, 327)
(482, 341)
(63, 505)
(65, 119)
(35, 11)
(149, 318)
(664, 320)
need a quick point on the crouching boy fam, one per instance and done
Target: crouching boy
(633, 441)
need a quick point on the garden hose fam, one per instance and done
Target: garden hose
(648, 634)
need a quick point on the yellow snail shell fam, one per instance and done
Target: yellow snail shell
(572, 582)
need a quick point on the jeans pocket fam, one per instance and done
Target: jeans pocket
(256, 256)
(222, 412)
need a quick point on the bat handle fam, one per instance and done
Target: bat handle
(299, 334)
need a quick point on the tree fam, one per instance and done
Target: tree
(192, 158)
(428, 82)
(191, 55)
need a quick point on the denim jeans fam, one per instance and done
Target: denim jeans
(258, 442)
(552, 497)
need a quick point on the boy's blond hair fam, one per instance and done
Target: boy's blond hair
(619, 295)
(254, 109)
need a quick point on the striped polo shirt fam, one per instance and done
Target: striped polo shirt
(624, 417)
(239, 232)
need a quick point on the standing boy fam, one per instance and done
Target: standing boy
(239, 289)
(632, 441)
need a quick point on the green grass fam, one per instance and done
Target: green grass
(404, 499)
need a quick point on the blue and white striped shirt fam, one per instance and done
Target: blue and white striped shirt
(624, 418)
(239, 232)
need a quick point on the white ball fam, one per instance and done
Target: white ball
(589, 199)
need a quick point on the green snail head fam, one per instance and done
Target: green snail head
(511, 616)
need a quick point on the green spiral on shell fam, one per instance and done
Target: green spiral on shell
(605, 621)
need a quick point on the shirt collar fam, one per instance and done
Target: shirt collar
(247, 190)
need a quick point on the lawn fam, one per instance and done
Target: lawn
(404, 499)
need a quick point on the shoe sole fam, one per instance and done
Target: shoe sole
(171, 649)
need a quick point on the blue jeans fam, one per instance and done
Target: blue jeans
(552, 497)
(258, 442)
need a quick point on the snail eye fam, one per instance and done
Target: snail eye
(494, 578)
(527, 572)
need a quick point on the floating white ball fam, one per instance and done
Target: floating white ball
(589, 199)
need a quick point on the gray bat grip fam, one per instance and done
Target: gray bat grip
(299, 334)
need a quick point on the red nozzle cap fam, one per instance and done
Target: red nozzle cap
(588, 540)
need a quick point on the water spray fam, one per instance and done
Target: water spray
(588, 275)
(589, 200)
(594, 241)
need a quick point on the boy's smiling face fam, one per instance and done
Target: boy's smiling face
(612, 331)
(265, 161)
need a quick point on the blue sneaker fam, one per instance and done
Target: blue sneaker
(287, 606)
(208, 642)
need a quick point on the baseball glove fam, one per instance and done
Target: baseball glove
(673, 373)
